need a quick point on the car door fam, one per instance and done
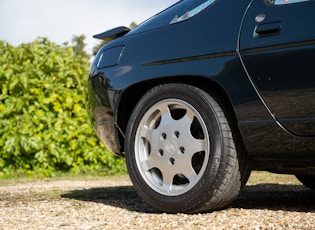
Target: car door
(277, 46)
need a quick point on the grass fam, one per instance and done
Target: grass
(19, 178)
(260, 177)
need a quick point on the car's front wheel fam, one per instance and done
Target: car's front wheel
(181, 153)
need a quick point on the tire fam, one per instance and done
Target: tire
(180, 152)
(307, 180)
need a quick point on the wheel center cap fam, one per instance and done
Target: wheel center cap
(170, 147)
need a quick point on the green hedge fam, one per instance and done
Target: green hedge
(44, 127)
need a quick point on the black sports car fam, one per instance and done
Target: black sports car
(204, 92)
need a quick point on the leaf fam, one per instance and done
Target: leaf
(9, 145)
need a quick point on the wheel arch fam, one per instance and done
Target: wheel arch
(132, 95)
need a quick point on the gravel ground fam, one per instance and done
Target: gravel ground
(269, 201)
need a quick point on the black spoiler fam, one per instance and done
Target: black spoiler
(112, 34)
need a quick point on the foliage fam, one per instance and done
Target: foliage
(79, 45)
(44, 127)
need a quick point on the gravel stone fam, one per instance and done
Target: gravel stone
(268, 201)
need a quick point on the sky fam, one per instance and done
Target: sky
(22, 21)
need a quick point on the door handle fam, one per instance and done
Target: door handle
(267, 29)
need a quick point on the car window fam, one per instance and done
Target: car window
(191, 11)
(180, 11)
(283, 2)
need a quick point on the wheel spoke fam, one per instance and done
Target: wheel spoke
(167, 181)
(196, 145)
(191, 176)
(186, 121)
(190, 115)
(166, 118)
(146, 132)
(146, 165)
(185, 168)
